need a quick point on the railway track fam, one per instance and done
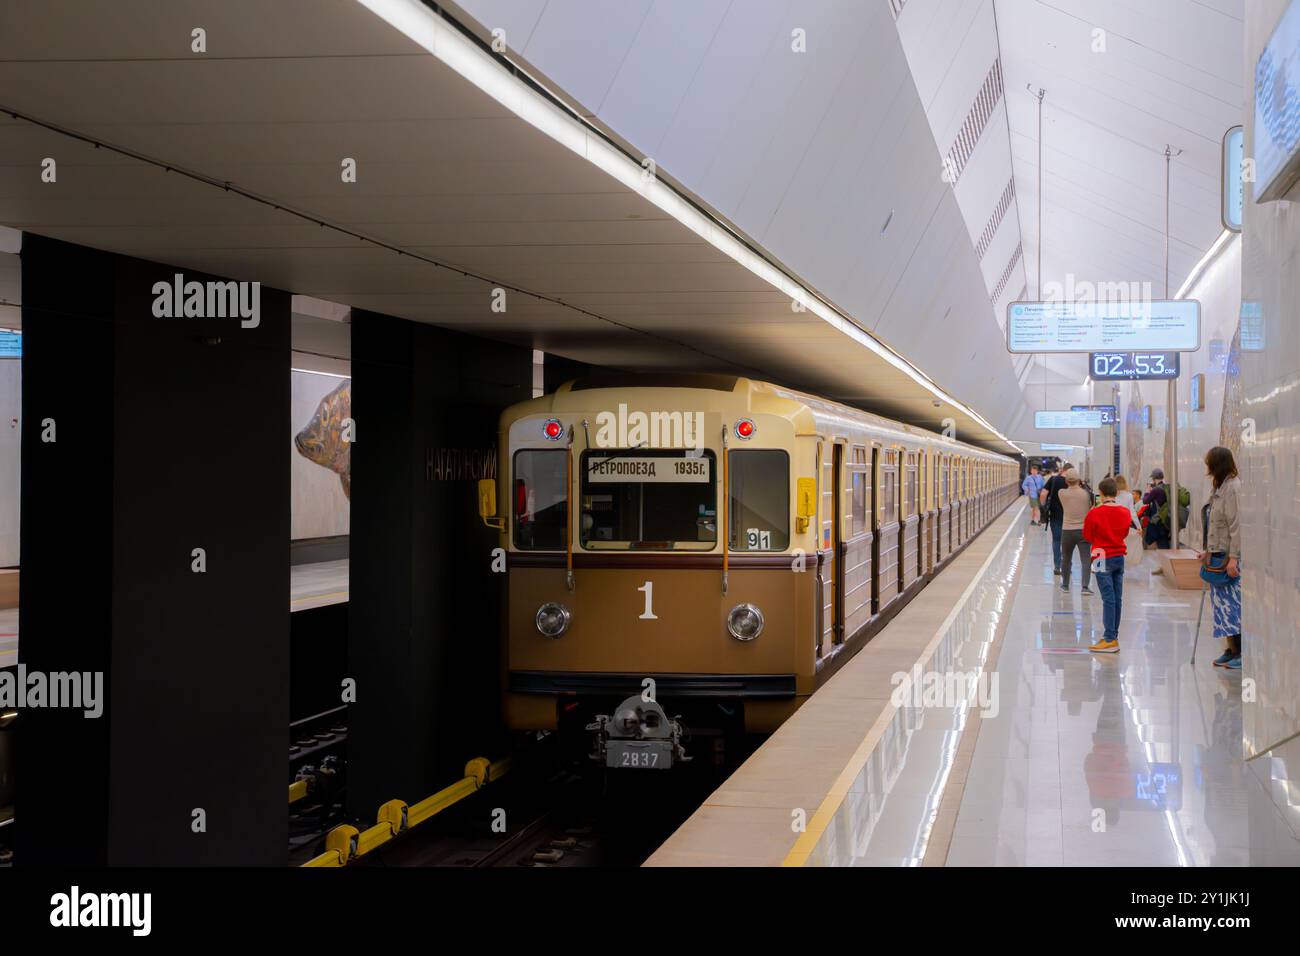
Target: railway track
(550, 813)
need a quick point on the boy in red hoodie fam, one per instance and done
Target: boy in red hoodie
(1105, 528)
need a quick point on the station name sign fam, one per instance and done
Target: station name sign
(1132, 366)
(1129, 326)
(1084, 418)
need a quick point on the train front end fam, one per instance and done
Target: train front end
(657, 585)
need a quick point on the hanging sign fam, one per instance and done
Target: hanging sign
(1171, 325)
(1087, 418)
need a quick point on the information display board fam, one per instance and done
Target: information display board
(11, 344)
(1277, 110)
(1087, 418)
(1132, 366)
(1109, 413)
(1130, 326)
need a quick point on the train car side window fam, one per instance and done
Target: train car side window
(909, 485)
(859, 503)
(537, 499)
(889, 488)
(758, 507)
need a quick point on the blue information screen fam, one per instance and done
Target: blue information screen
(11, 344)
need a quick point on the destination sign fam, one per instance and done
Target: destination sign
(644, 470)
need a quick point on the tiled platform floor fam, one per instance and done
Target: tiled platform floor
(1114, 760)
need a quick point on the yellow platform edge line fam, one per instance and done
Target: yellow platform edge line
(830, 805)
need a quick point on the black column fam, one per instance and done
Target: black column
(172, 435)
(424, 603)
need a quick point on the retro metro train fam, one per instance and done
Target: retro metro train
(713, 543)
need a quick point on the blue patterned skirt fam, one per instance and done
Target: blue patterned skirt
(1226, 602)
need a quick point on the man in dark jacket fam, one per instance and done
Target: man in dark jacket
(1155, 498)
(1055, 513)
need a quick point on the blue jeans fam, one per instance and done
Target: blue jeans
(1055, 523)
(1110, 582)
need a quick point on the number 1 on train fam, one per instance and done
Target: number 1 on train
(649, 589)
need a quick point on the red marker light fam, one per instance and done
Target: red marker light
(745, 428)
(552, 429)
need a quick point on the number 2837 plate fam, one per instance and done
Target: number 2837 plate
(639, 754)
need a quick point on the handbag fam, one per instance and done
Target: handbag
(1214, 569)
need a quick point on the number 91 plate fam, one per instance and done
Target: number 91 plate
(639, 754)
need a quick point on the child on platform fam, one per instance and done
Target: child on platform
(1105, 528)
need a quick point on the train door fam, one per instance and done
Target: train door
(927, 523)
(838, 535)
(888, 530)
(856, 551)
(829, 456)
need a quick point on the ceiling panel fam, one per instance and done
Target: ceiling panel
(445, 174)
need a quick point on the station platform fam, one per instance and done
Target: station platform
(310, 586)
(318, 585)
(1043, 754)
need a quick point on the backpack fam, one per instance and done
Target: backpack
(1184, 508)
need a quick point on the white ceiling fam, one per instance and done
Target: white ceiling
(808, 156)
(287, 90)
(1170, 74)
(811, 153)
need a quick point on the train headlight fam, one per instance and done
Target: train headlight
(553, 619)
(745, 622)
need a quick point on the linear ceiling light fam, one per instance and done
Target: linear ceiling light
(448, 44)
(1198, 270)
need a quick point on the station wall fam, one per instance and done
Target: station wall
(1270, 374)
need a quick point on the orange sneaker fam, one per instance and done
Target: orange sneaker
(1105, 647)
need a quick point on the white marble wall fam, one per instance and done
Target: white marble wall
(1270, 396)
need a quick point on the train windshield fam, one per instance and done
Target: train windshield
(648, 500)
(538, 505)
(758, 509)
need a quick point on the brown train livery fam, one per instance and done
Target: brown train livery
(713, 543)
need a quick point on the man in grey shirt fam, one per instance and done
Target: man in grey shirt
(1075, 502)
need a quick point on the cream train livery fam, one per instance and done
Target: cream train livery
(711, 548)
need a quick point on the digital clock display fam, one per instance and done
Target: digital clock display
(1106, 366)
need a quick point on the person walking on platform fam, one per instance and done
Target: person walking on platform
(1105, 528)
(1075, 502)
(1157, 496)
(1031, 486)
(1221, 559)
(1052, 508)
